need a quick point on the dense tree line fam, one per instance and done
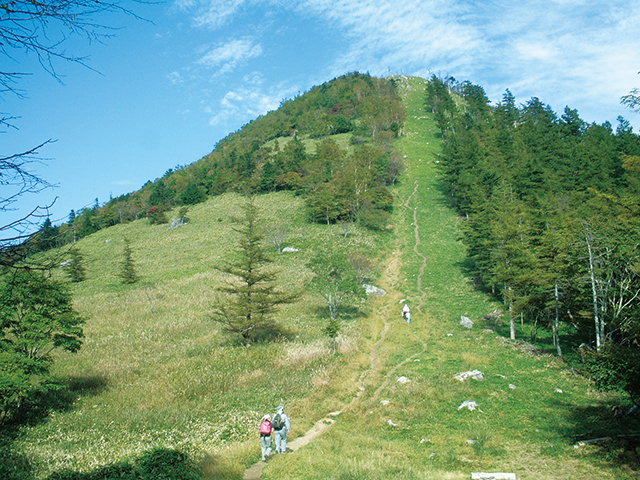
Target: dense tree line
(551, 207)
(268, 154)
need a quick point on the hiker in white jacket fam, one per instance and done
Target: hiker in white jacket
(406, 313)
(281, 427)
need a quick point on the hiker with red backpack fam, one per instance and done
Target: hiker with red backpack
(281, 426)
(265, 436)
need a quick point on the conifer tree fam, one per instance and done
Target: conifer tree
(37, 318)
(75, 268)
(251, 298)
(128, 268)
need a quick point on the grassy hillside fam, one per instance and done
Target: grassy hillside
(155, 371)
(532, 411)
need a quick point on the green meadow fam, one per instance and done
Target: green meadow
(156, 372)
(532, 410)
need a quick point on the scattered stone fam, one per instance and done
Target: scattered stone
(290, 249)
(432, 454)
(475, 374)
(416, 360)
(512, 386)
(470, 404)
(178, 222)
(425, 440)
(465, 459)
(66, 263)
(466, 322)
(493, 476)
(384, 403)
(403, 380)
(471, 442)
(108, 240)
(373, 290)
(501, 376)
(559, 390)
(449, 334)
(392, 423)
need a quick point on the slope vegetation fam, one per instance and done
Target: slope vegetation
(531, 411)
(157, 373)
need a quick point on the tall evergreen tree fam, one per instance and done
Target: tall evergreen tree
(75, 267)
(251, 297)
(128, 272)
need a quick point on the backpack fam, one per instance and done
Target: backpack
(265, 427)
(278, 422)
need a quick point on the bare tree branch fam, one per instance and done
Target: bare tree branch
(41, 27)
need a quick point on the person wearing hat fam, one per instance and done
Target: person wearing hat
(265, 436)
(281, 426)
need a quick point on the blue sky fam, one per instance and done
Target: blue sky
(162, 93)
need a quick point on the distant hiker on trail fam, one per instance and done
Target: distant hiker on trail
(281, 426)
(265, 436)
(406, 313)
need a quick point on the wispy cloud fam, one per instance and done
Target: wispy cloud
(400, 35)
(210, 13)
(225, 58)
(564, 51)
(175, 78)
(247, 101)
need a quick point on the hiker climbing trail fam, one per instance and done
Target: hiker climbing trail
(386, 311)
(255, 471)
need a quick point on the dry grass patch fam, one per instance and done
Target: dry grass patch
(298, 355)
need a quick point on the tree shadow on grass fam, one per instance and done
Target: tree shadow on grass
(59, 398)
(604, 429)
(13, 465)
(272, 331)
(156, 464)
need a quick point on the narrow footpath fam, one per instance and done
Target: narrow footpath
(388, 308)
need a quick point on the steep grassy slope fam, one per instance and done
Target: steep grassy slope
(155, 371)
(531, 410)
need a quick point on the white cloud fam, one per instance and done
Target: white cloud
(574, 52)
(175, 77)
(530, 51)
(247, 102)
(210, 13)
(405, 34)
(225, 58)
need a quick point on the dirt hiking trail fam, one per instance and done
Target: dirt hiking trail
(388, 308)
